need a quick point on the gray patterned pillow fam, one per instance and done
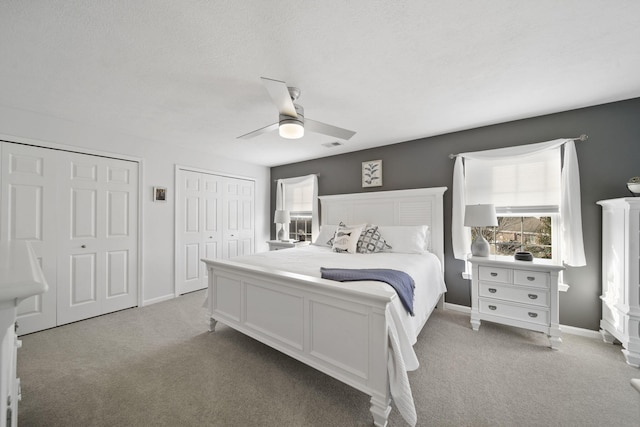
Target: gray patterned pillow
(371, 241)
(330, 241)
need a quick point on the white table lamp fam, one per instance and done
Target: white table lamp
(480, 216)
(281, 217)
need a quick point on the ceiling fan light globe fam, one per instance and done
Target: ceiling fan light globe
(291, 130)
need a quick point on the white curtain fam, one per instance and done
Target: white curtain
(290, 195)
(570, 210)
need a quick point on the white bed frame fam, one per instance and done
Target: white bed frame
(310, 310)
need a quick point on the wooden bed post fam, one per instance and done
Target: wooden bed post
(212, 324)
(380, 411)
(378, 374)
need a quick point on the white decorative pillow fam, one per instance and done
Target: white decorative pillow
(408, 239)
(346, 239)
(342, 224)
(371, 241)
(327, 231)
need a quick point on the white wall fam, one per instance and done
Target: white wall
(158, 169)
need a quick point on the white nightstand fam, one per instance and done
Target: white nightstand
(276, 245)
(516, 293)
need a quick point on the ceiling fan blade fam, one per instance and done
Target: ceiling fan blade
(260, 131)
(319, 127)
(280, 95)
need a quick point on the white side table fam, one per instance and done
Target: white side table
(276, 245)
(516, 293)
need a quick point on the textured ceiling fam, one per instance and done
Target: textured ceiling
(188, 72)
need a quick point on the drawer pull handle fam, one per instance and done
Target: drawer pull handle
(534, 315)
(493, 274)
(531, 278)
(492, 307)
(533, 296)
(493, 290)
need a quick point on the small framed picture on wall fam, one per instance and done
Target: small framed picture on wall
(159, 194)
(372, 173)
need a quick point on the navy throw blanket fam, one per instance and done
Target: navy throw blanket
(399, 280)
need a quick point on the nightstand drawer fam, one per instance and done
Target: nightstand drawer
(514, 293)
(538, 316)
(531, 278)
(495, 274)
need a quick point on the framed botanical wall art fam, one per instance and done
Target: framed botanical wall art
(372, 173)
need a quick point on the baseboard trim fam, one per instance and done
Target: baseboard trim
(157, 300)
(588, 333)
(456, 307)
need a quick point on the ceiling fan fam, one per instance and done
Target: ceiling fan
(292, 123)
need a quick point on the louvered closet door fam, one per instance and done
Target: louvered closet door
(97, 260)
(199, 223)
(28, 212)
(238, 217)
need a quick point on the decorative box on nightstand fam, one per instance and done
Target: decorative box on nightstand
(276, 245)
(516, 293)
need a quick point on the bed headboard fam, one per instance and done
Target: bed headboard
(401, 207)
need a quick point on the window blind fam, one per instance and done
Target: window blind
(517, 184)
(299, 196)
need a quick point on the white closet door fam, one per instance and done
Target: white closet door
(212, 221)
(28, 212)
(238, 217)
(97, 259)
(199, 224)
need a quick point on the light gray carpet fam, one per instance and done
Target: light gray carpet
(158, 366)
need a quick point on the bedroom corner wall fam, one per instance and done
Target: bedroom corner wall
(607, 160)
(158, 169)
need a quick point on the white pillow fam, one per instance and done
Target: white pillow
(346, 239)
(326, 233)
(407, 239)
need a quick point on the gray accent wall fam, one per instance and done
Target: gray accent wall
(607, 160)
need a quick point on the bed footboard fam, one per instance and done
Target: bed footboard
(338, 331)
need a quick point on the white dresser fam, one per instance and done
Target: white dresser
(621, 275)
(516, 293)
(20, 278)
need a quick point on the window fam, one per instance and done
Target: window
(300, 226)
(526, 193)
(299, 196)
(522, 233)
(536, 191)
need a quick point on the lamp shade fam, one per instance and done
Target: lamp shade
(480, 216)
(281, 217)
